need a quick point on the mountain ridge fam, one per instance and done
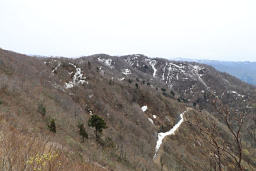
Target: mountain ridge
(118, 89)
(243, 70)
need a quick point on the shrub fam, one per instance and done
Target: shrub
(89, 64)
(1, 102)
(109, 143)
(165, 94)
(136, 84)
(82, 131)
(45, 161)
(52, 125)
(129, 80)
(41, 109)
(172, 93)
(98, 123)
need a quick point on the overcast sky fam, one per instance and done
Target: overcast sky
(202, 29)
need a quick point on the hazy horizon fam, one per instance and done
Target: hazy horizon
(221, 30)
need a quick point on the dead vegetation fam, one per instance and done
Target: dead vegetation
(31, 94)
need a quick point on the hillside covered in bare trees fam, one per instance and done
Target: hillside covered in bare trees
(131, 112)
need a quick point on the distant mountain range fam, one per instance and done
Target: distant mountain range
(243, 70)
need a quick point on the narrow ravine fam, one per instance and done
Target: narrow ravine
(162, 135)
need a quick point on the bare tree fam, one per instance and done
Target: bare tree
(234, 121)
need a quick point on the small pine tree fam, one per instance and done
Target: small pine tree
(52, 125)
(163, 89)
(172, 93)
(82, 131)
(98, 123)
(41, 109)
(136, 84)
(129, 80)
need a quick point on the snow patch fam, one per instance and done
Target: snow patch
(126, 71)
(162, 135)
(121, 79)
(234, 92)
(144, 108)
(154, 116)
(55, 69)
(196, 68)
(107, 62)
(153, 63)
(78, 78)
(151, 121)
(177, 66)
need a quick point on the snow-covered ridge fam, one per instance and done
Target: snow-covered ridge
(78, 78)
(162, 135)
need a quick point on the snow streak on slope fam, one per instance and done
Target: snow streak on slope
(107, 62)
(144, 108)
(196, 70)
(78, 78)
(55, 69)
(126, 71)
(162, 135)
(153, 63)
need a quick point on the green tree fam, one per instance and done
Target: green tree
(52, 125)
(172, 93)
(82, 131)
(98, 123)
(41, 109)
(136, 84)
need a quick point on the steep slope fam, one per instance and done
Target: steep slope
(137, 96)
(242, 70)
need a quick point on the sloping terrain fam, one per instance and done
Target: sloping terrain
(139, 98)
(243, 70)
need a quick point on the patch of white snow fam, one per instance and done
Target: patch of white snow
(55, 69)
(234, 92)
(107, 62)
(153, 64)
(78, 78)
(126, 71)
(162, 135)
(151, 121)
(121, 79)
(144, 108)
(196, 69)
